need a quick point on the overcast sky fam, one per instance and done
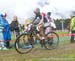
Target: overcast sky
(24, 8)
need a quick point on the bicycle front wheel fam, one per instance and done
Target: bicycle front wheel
(22, 44)
(52, 40)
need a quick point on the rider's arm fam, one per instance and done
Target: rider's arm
(41, 19)
(38, 15)
(34, 19)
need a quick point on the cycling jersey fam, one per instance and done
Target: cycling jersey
(37, 18)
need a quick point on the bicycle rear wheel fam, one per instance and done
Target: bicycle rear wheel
(52, 40)
(22, 44)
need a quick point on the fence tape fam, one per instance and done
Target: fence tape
(48, 36)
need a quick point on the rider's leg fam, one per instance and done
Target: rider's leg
(42, 36)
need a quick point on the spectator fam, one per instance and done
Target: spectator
(1, 35)
(6, 30)
(15, 26)
(23, 27)
(72, 28)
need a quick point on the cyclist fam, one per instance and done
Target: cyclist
(50, 22)
(36, 22)
(40, 20)
(50, 26)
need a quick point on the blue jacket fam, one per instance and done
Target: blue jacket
(6, 30)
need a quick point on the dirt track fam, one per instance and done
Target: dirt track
(36, 53)
(60, 49)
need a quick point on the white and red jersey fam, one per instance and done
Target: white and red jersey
(45, 18)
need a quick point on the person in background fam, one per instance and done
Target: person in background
(72, 28)
(14, 26)
(1, 35)
(21, 28)
(6, 30)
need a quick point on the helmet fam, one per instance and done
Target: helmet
(37, 10)
(49, 13)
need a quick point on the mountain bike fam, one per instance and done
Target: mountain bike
(27, 40)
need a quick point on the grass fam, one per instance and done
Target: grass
(65, 52)
(39, 55)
